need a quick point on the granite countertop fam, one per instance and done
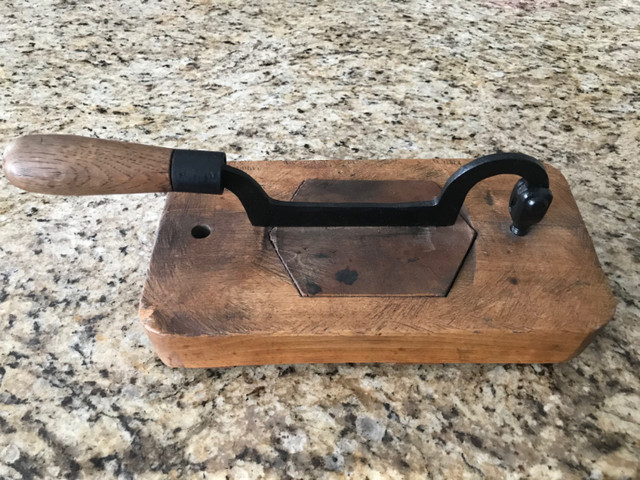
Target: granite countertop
(82, 393)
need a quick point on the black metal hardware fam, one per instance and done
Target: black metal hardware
(528, 205)
(529, 201)
(197, 171)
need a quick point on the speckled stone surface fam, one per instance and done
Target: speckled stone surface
(82, 393)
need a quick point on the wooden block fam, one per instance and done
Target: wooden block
(226, 299)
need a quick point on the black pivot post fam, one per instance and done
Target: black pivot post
(528, 205)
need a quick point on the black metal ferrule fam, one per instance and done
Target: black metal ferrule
(197, 171)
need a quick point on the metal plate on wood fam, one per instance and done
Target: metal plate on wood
(372, 261)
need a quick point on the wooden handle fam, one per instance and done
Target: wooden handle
(72, 165)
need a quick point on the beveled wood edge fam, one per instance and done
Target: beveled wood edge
(177, 351)
(206, 351)
(146, 318)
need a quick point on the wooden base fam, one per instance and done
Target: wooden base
(226, 299)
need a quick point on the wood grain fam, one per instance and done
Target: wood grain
(227, 300)
(74, 165)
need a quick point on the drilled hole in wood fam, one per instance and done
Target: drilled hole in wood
(201, 231)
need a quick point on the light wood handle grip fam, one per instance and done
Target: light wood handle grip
(72, 165)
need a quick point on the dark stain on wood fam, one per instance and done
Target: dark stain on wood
(347, 276)
(313, 288)
(488, 198)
